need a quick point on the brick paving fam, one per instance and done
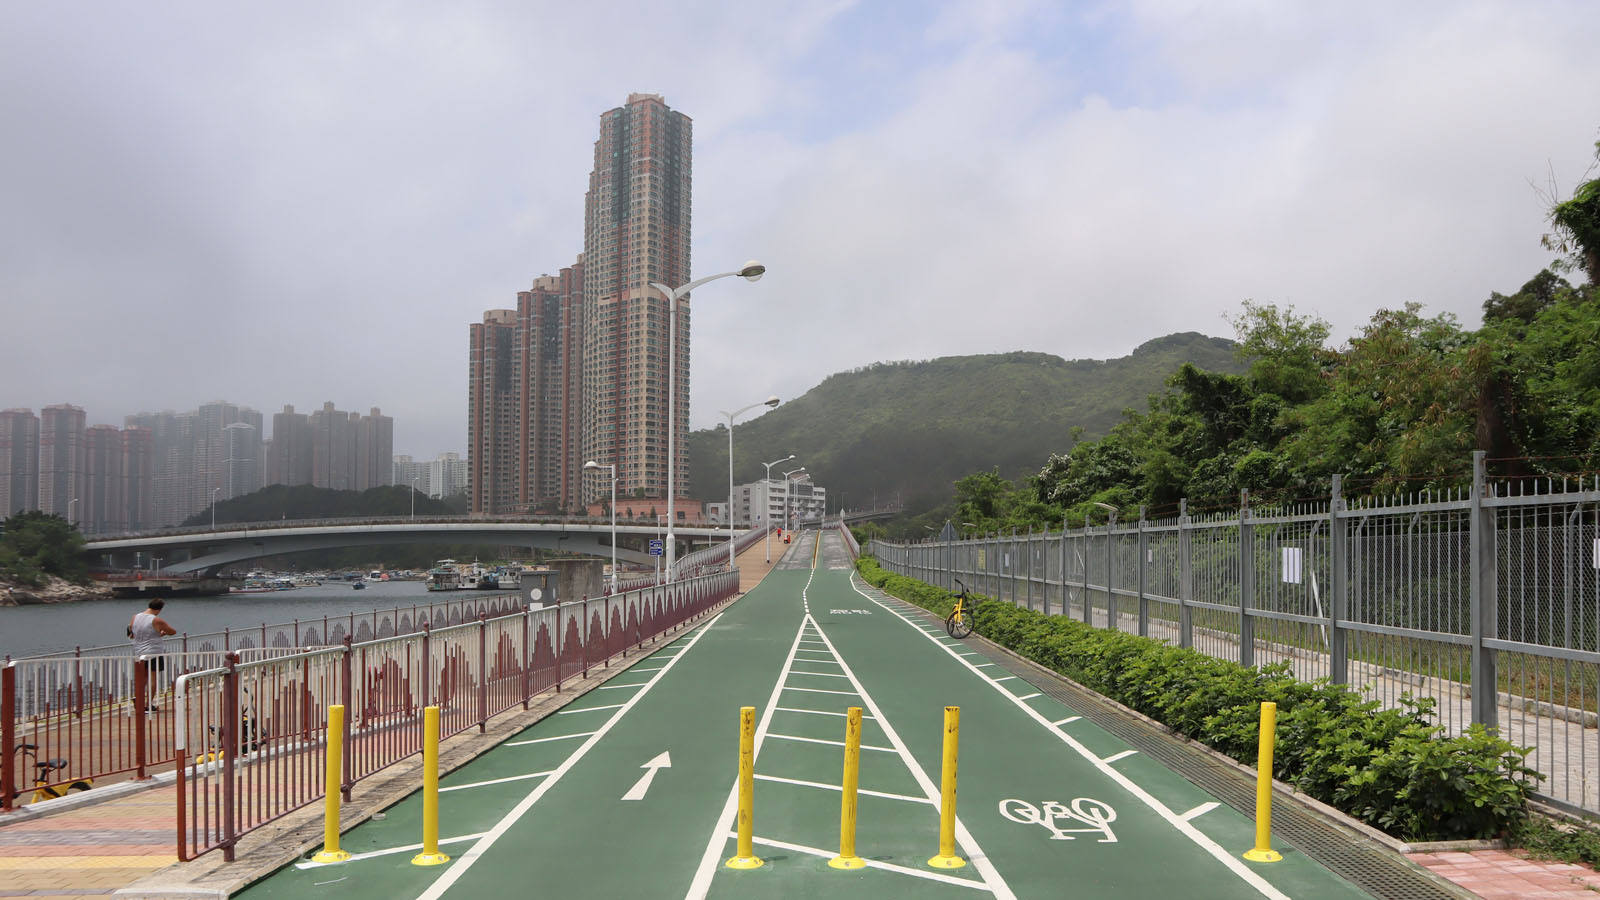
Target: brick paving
(1511, 875)
(88, 853)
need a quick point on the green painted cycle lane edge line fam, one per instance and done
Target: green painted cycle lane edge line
(711, 860)
(485, 840)
(1176, 820)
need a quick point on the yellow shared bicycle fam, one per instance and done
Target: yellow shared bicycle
(43, 789)
(959, 623)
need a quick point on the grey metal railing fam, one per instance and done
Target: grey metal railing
(1485, 601)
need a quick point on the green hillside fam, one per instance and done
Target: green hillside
(912, 428)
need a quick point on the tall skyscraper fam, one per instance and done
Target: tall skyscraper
(19, 461)
(374, 450)
(138, 478)
(636, 231)
(61, 460)
(289, 457)
(523, 398)
(102, 508)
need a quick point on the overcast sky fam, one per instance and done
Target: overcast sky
(296, 202)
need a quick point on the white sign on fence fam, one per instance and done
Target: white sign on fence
(1291, 565)
(1597, 553)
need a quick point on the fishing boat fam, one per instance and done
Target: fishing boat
(444, 576)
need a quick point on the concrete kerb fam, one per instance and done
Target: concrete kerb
(264, 851)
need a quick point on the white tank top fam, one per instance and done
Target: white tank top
(146, 639)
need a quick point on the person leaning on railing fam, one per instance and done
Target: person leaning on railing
(147, 629)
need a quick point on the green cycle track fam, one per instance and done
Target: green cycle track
(631, 789)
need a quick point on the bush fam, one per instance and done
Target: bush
(1389, 768)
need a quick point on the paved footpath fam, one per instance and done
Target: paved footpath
(580, 805)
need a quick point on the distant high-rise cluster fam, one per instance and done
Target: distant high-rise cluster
(161, 468)
(443, 476)
(578, 371)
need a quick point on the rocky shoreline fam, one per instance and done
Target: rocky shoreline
(54, 590)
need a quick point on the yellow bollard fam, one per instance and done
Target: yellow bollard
(330, 817)
(747, 858)
(430, 855)
(1262, 851)
(847, 858)
(947, 858)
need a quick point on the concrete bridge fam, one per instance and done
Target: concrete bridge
(205, 550)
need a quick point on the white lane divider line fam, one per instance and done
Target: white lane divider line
(818, 712)
(573, 712)
(462, 787)
(834, 787)
(1007, 678)
(812, 740)
(968, 653)
(821, 691)
(1060, 722)
(1116, 756)
(984, 666)
(545, 740)
(871, 863)
(618, 687)
(1199, 811)
(390, 851)
(1192, 833)
(477, 850)
(1030, 696)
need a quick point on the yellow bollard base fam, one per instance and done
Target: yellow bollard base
(331, 856)
(947, 862)
(746, 862)
(847, 862)
(430, 859)
(1256, 854)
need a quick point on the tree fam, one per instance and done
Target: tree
(37, 544)
(1576, 227)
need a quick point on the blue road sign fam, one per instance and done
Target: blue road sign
(658, 548)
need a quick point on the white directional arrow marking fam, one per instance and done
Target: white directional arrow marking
(639, 788)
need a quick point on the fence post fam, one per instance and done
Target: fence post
(1113, 617)
(527, 654)
(1139, 566)
(1484, 582)
(425, 667)
(483, 672)
(228, 746)
(8, 733)
(141, 715)
(1247, 583)
(1185, 577)
(1066, 599)
(1088, 607)
(346, 693)
(1338, 656)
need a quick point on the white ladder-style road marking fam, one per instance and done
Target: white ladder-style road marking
(462, 787)
(1060, 722)
(1194, 834)
(1030, 696)
(545, 740)
(474, 853)
(389, 851)
(573, 712)
(871, 863)
(1116, 756)
(812, 740)
(834, 787)
(1200, 810)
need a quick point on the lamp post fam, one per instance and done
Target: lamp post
(787, 492)
(766, 499)
(214, 507)
(752, 271)
(157, 560)
(591, 465)
(769, 402)
(414, 495)
(70, 504)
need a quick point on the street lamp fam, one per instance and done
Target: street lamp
(752, 271)
(766, 499)
(69, 509)
(769, 402)
(414, 495)
(157, 560)
(591, 465)
(214, 508)
(787, 492)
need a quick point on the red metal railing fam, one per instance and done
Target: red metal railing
(254, 744)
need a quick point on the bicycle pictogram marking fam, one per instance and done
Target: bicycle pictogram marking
(1097, 815)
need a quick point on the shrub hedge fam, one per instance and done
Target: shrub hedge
(1389, 768)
